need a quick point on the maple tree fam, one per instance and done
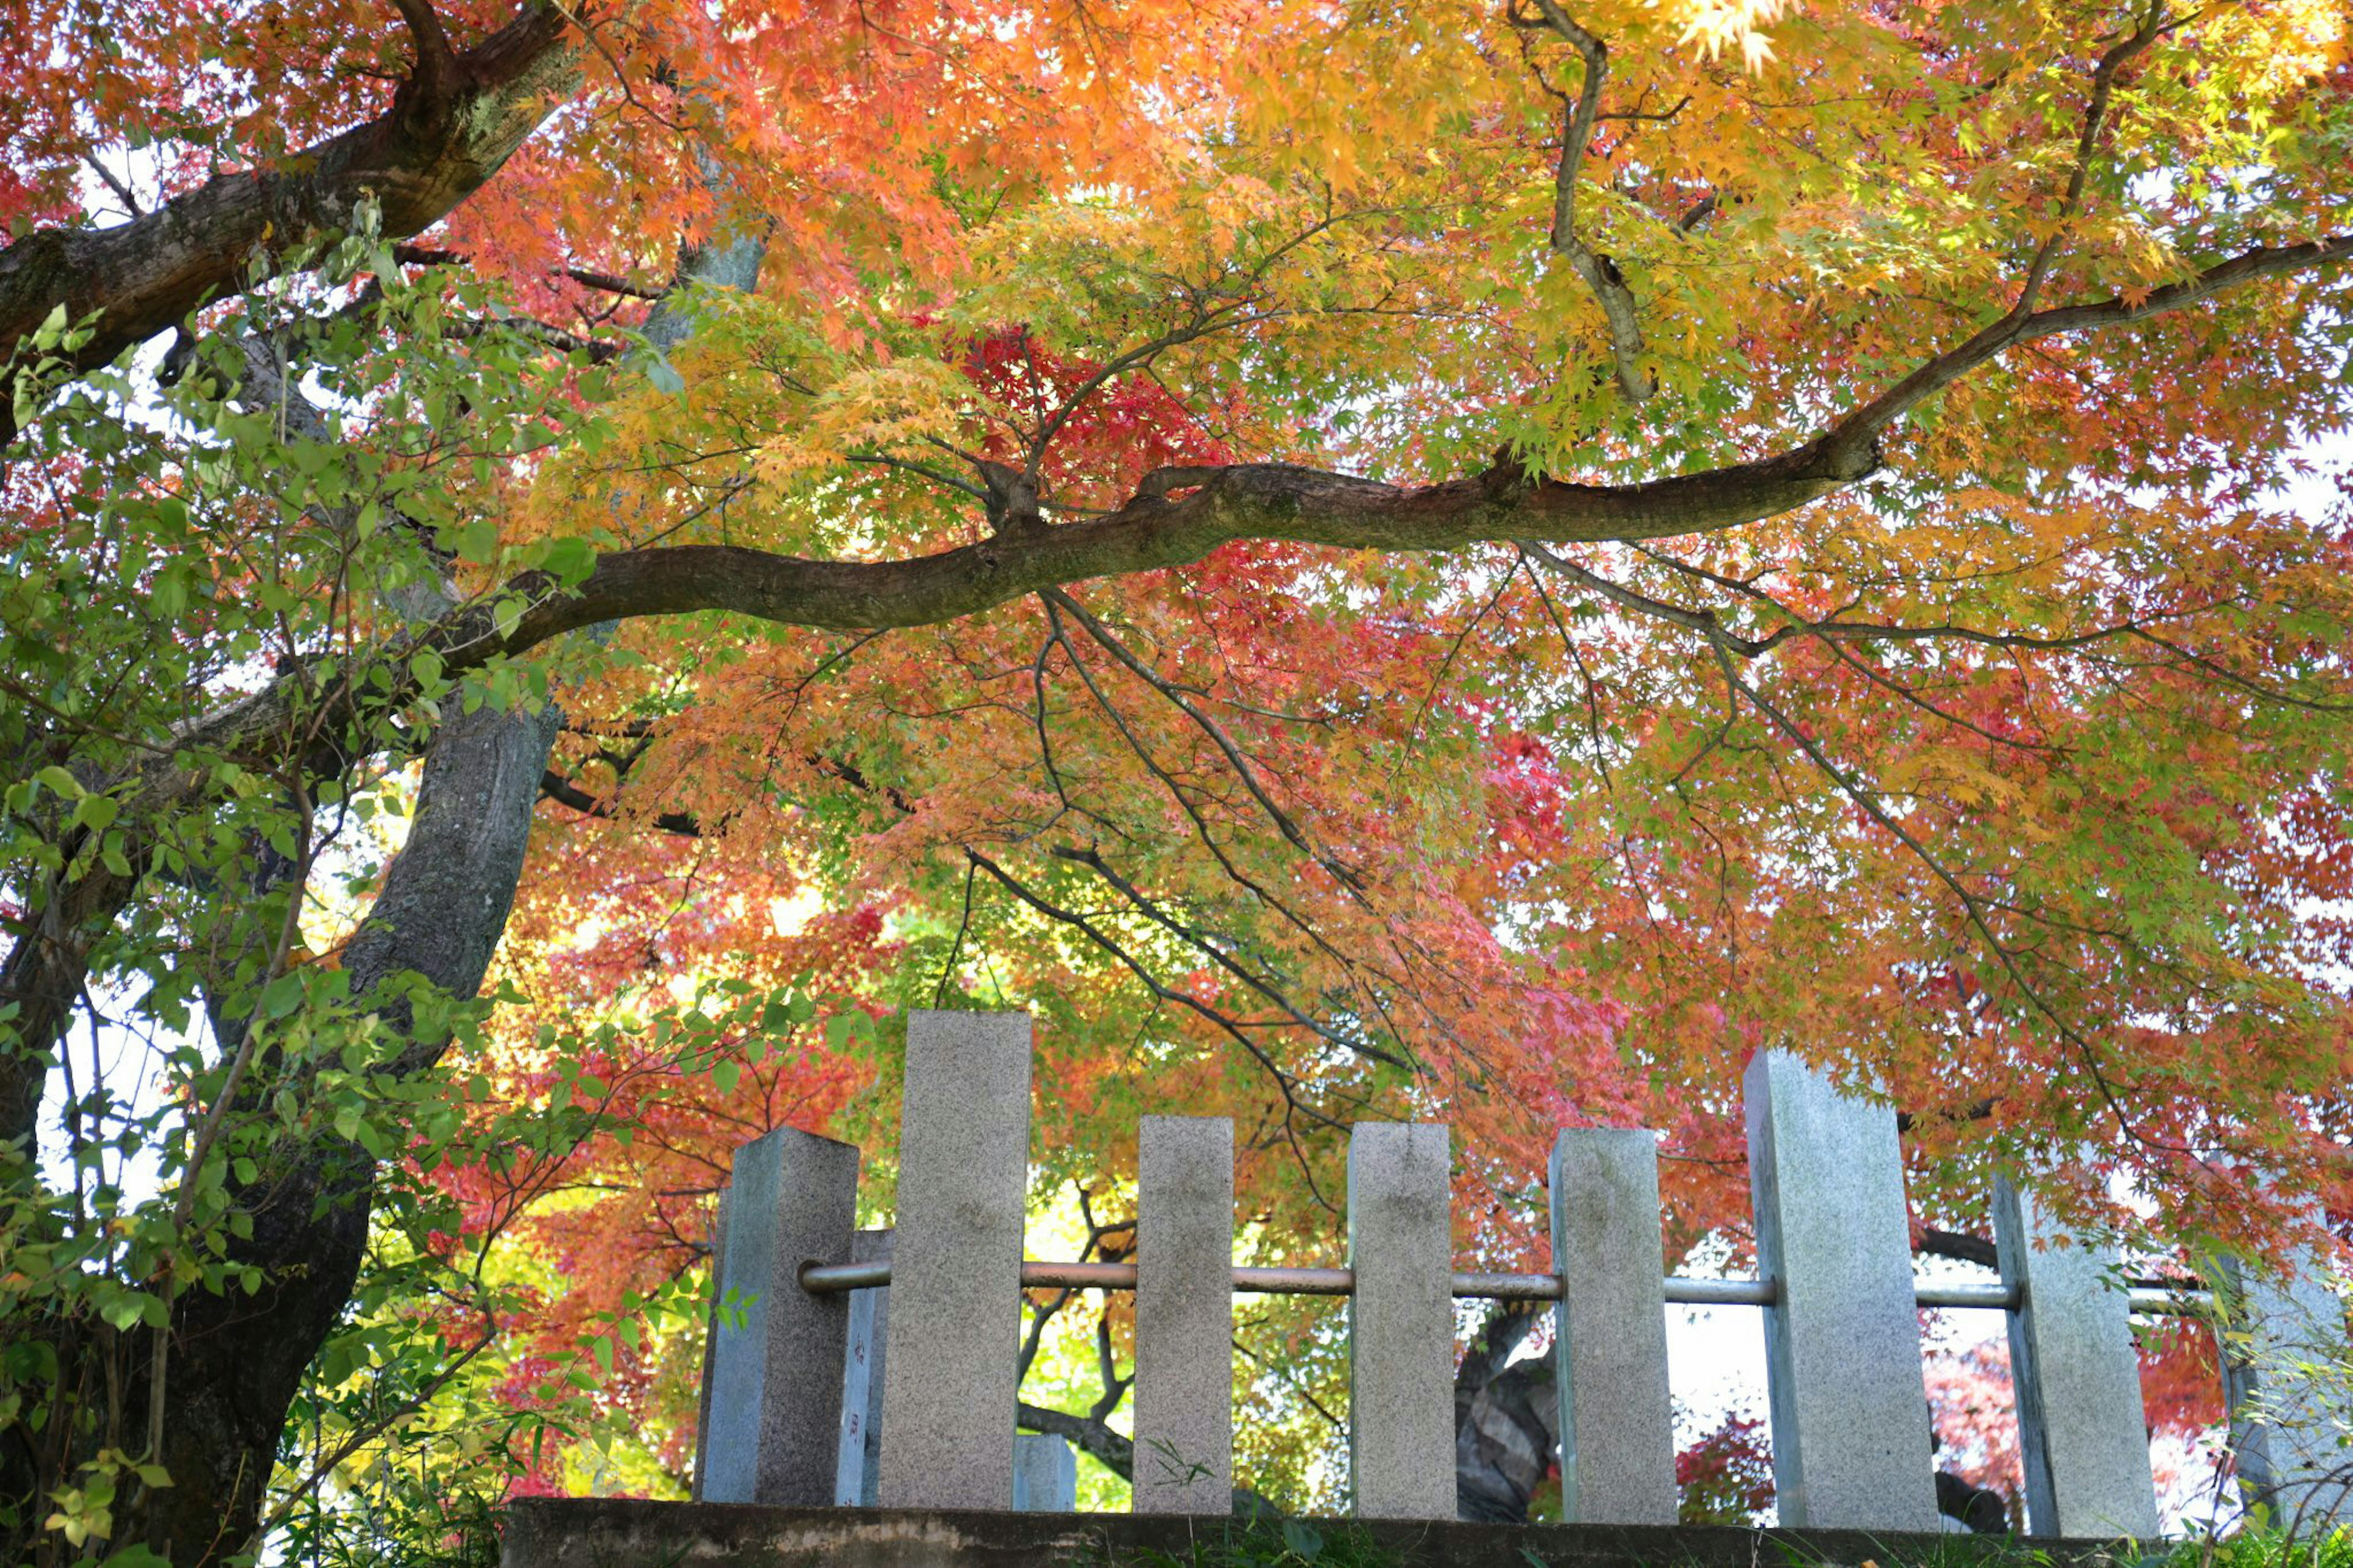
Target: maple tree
(1471, 560)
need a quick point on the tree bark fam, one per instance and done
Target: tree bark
(238, 1361)
(452, 125)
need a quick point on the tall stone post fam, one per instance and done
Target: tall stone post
(1849, 1408)
(2082, 1430)
(712, 1324)
(773, 1383)
(1400, 1322)
(1185, 1315)
(955, 1274)
(857, 1478)
(2290, 1381)
(1616, 1425)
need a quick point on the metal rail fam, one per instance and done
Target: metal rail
(821, 1278)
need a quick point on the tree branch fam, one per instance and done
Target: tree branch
(1224, 504)
(1598, 271)
(555, 786)
(450, 126)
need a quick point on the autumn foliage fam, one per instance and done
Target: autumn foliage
(1475, 561)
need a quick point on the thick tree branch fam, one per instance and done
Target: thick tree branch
(1117, 1453)
(450, 126)
(1151, 531)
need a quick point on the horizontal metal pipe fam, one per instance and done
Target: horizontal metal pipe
(1508, 1287)
(1684, 1290)
(1679, 1290)
(1079, 1276)
(1296, 1281)
(1968, 1293)
(820, 1279)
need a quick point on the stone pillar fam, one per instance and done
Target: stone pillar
(2291, 1388)
(2081, 1427)
(1185, 1315)
(862, 1381)
(775, 1383)
(1400, 1322)
(1045, 1474)
(1849, 1408)
(955, 1278)
(1617, 1426)
(712, 1325)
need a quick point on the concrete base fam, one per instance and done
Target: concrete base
(611, 1532)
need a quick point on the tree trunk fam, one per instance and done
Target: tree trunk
(237, 1361)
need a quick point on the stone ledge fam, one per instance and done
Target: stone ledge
(611, 1532)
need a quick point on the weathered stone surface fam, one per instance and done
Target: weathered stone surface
(857, 1478)
(1400, 1322)
(2082, 1430)
(773, 1381)
(1849, 1409)
(955, 1282)
(1184, 1315)
(710, 1352)
(1045, 1474)
(2292, 1422)
(614, 1532)
(1617, 1425)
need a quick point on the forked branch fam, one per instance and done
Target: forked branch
(1598, 271)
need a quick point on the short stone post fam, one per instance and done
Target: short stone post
(1850, 1407)
(856, 1478)
(1617, 1425)
(2082, 1430)
(2291, 1394)
(1400, 1322)
(955, 1280)
(773, 1384)
(1045, 1474)
(1184, 1315)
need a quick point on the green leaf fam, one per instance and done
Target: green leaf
(282, 996)
(140, 1554)
(479, 540)
(570, 561)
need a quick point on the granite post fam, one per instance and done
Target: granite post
(1045, 1474)
(855, 1480)
(1849, 1408)
(2082, 1430)
(2291, 1394)
(713, 1323)
(774, 1382)
(955, 1280)
(1184, 1315)
(1400, 1322)
(1616, 1425)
